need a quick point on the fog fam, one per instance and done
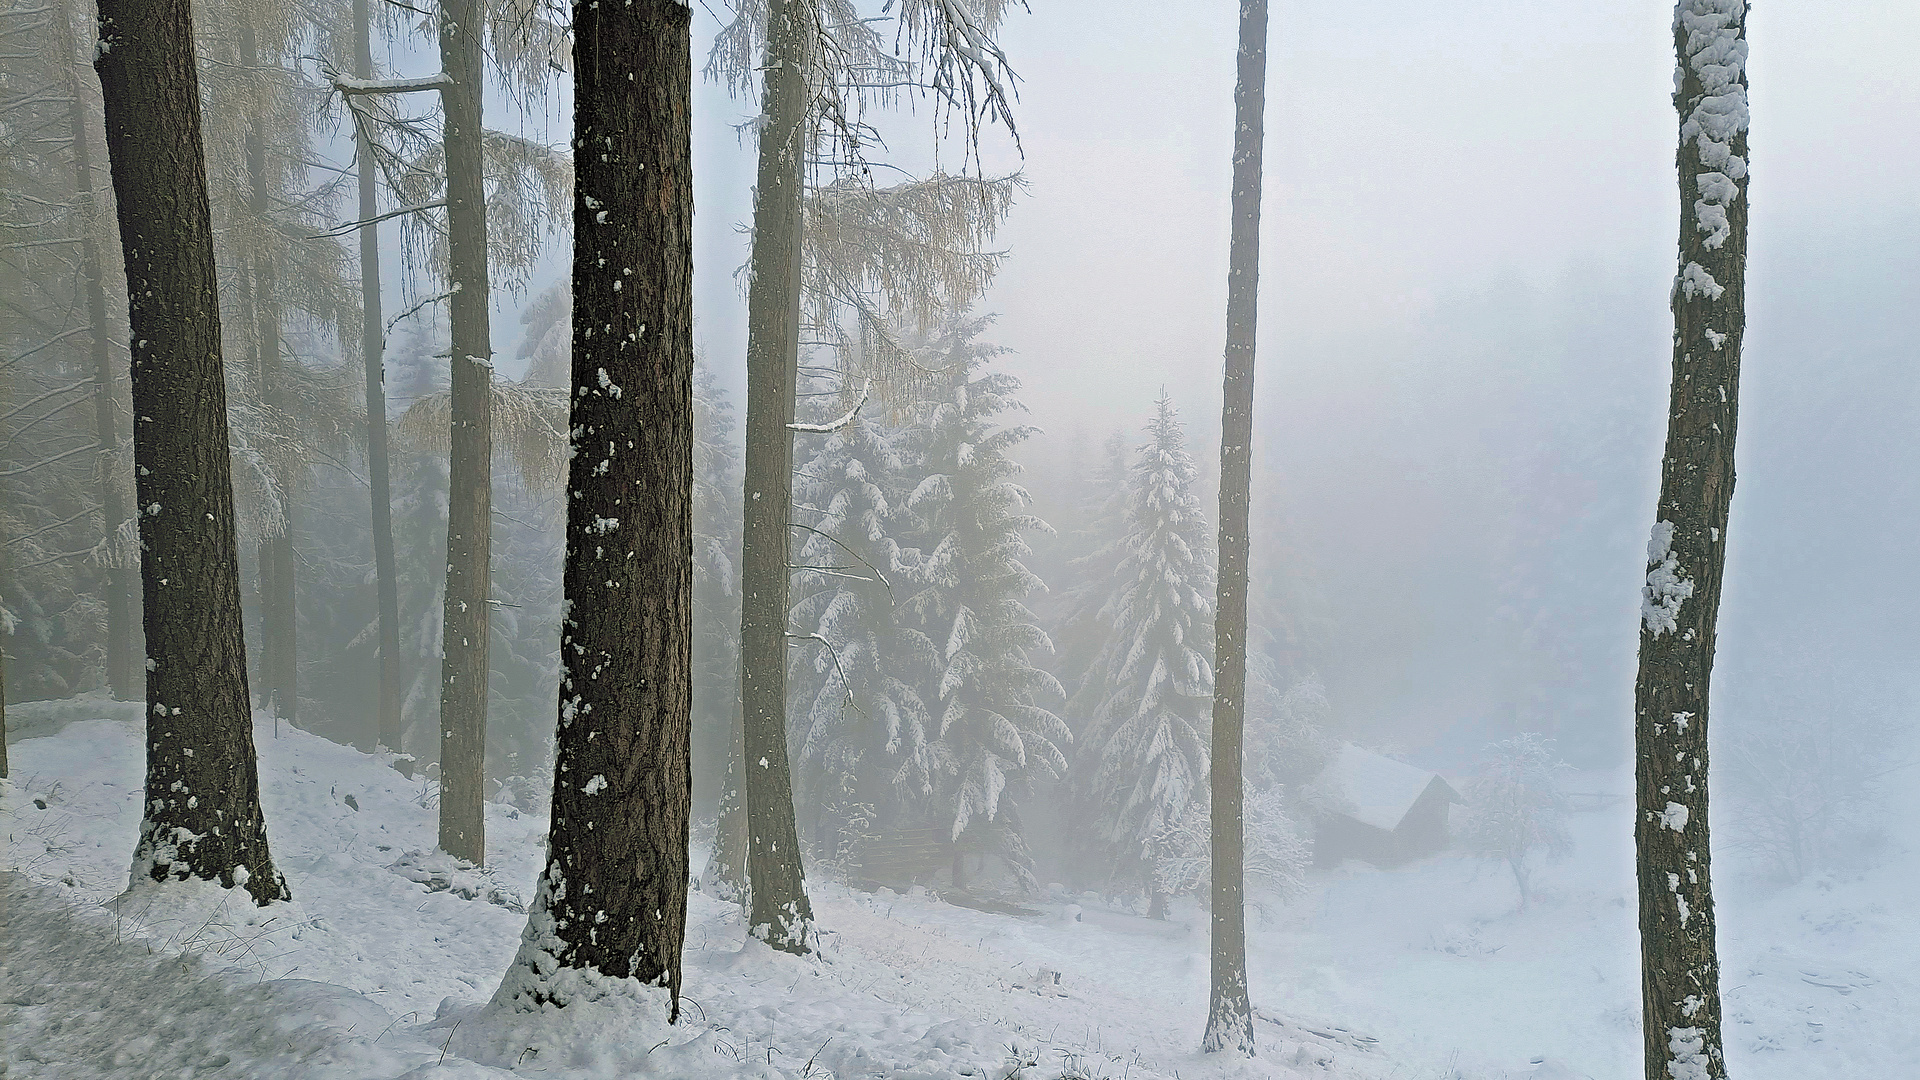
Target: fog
(1465, 346)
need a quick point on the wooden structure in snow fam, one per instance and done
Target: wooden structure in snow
(1379, 810)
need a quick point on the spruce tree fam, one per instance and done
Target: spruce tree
(1143, 757)
(862, 731)
(994, 729)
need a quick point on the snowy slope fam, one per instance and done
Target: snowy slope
(1423, 974)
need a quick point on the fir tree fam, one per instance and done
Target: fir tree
(1143, 756)
(993, 729)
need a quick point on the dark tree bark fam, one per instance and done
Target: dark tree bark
(121, 677)
(613, 899)
(1229, 1014)
(279, 661)
(463, 667)
(726, 873)
(202, 814)
(780, 912)
(1680, 973)
(387, 730)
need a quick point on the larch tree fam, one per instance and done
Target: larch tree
(373, 346)
(463, 667)
(1143, 757)
(201, 817)
(612, 901)
(66, 472)
(1686, 557)
(119, 557)
(819, 59)
(1229, 1013)
(780, 911)
(467, 242)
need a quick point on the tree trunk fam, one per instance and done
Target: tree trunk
(121, 678)
(373, 348)
(1680, 973)
(1229, 1014)
(780, 912)
(726, 873)
(279, 661)
(614, 896)
(463, 667)
(202, 816)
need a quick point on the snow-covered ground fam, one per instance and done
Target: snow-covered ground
(380, 969)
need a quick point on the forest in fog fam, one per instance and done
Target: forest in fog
(938, 538)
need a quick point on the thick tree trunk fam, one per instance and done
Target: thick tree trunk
(121, 677)
(463, 667)
(1680, 973)
(387, 729)
(279, 661)
(613, 899)
(726, 873)
(780, 913)
(202, 816)
(1230, 1015)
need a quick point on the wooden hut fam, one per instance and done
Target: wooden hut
(1379, 810)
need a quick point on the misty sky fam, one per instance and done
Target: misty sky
(1469, 219)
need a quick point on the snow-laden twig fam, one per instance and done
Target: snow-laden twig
(844, 421)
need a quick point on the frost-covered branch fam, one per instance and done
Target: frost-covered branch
(844, 421)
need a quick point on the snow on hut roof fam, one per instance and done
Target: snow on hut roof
(1378, 789)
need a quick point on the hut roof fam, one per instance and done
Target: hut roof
(1376, 790)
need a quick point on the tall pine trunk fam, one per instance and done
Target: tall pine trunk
(1229, 1014)
(121, 677)
(1680, 973)
(613, 899)
(278, 657)
(387, 729)
(202, 809)
(463, 667)
(780, 911)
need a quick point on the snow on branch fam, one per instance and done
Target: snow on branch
(351, 87)
(844, 421)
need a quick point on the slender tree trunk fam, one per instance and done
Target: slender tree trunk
(202, 816)
(279, 661)
(726, 873)
(613, 899)
(1680, 973)
(373, 349)
(463, 668)
(781, 912)
(1230, 1015)
(113, 504)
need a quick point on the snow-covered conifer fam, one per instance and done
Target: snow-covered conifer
(861, 726)
(970, 602)
(1143, 755)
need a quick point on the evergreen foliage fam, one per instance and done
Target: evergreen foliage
(1143, 755)
(994, 729)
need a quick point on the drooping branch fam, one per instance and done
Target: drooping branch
(342, 230)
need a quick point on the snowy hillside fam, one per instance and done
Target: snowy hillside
(382, 965)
